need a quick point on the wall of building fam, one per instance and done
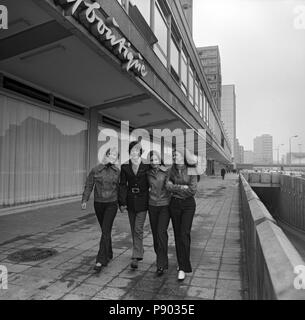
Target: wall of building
(210, 59)
(228, 113)
(187, 6)
(263, 149)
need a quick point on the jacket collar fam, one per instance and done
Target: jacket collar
(175, 170)
(140, 167)
(161, 168)
(103, 166)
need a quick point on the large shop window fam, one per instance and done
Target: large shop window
(200, 103)
(184, 72)
(161, 32)
(204, 107)
(43, 154)
(191, 85)
(196, 96)
(175, 59)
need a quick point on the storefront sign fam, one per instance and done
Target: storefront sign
(90, 16)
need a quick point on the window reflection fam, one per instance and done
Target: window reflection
(144, 8)
(184, 71)
(191, 86)
(161, 32)
(43, 154)
(196, 95)
(175, 58)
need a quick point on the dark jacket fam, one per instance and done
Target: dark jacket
(158, 194)
(176, 179)
(223, 171)
(105, 180)
(134, 188)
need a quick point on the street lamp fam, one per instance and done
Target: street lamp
(290, 148)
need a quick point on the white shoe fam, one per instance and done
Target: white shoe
(181, 275)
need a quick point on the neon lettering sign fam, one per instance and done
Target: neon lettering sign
(89, 15)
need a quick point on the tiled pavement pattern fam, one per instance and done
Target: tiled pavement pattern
(216, 255)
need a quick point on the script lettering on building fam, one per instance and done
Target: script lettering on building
(89, 15)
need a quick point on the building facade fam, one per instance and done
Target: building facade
(241, 154)
(72, 71)
(187, 6)
(263, 149)
(210, 59)
(228, 113)
(236, 151)
(248, 156)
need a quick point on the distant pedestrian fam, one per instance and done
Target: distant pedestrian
(223, 173)
(159, 199)
(133, 196)
(182, 210)
(104, 178)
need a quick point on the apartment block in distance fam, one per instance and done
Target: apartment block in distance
(210, 59)
(263, 149)
(228, 113)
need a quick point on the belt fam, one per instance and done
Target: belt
(176, 198)
(135, 190)
(182, 199)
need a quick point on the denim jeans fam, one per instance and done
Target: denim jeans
(105, 213)
(159, 221)
(182, 212)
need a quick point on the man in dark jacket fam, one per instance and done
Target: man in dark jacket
(134, 195)
(223, 173)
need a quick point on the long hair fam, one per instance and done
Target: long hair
(157, 154)
(185, 162)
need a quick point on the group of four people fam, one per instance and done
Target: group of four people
(166, 193)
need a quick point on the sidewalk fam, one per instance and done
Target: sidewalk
(216, 255)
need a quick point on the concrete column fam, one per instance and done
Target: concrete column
(93, 137)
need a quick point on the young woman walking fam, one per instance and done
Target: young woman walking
(159, 198)
(183, 187)
(104, 178)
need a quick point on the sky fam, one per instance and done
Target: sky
(262, 49)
